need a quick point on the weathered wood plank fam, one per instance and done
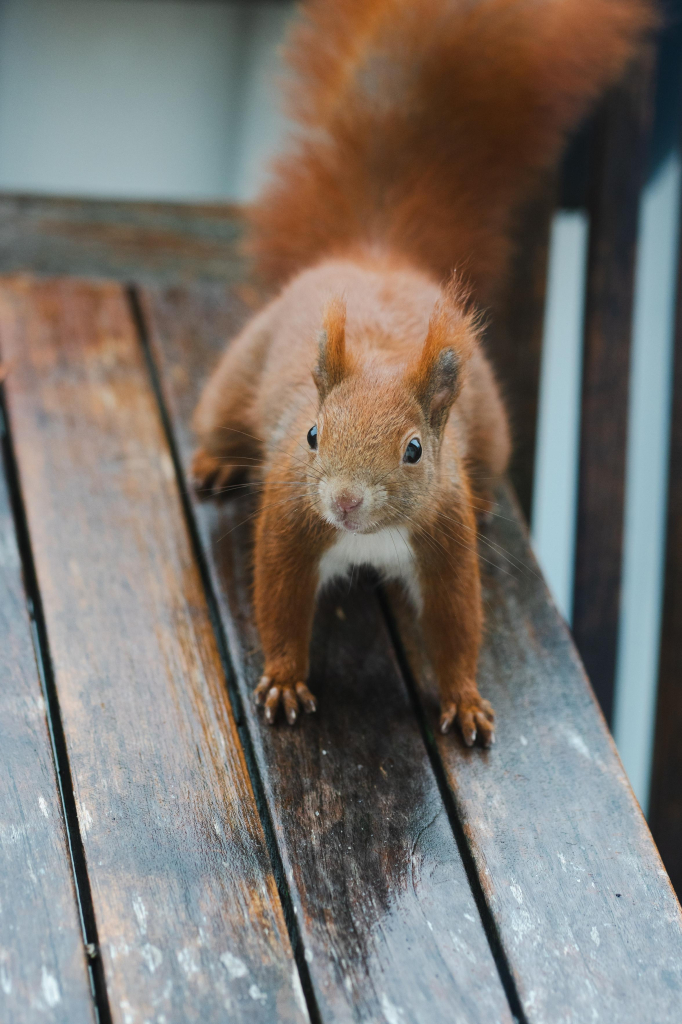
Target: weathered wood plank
(120, 240)
(622, 134)
(586, 914)
(533, 705)
(665, 811)
(43, 973)
(387, 919)
(188, 915)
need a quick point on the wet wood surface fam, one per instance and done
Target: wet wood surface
(665, 810)
(43, 973)
(588, 919)
(189, 919)
(621, 132)
(387, 920)
(566, 862)
(560, 867)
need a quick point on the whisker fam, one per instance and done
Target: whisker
(457, 540)
(267, 444)
(254, 484)
(434, 544)
(273, 504)
(507, 555)
(249, 458)
(488, 511)
(469, 547)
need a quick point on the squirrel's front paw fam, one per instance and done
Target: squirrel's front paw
(270, 693)
(474, 716)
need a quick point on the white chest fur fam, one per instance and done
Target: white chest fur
(388, 551)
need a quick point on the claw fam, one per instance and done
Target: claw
(271, 704)
(260, 693)
(487, 709)
(448, 717)
(484, 721)
(306, 698)
(290, 706)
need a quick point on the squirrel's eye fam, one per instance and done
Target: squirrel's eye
(413, 452)
(312, 437)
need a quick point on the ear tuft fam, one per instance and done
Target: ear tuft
(332, 364)
(451, 338)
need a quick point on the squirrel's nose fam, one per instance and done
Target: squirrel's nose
(346, 501)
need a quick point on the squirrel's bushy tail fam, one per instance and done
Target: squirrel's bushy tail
(424, 123)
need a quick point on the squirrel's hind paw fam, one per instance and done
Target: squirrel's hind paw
(211, 475)
(270, 694)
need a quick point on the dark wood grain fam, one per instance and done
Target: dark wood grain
(586, 913)
(621, 135)
(665, 809)
(387, 919)
(514, 335)
(120, 240)
(188, 915)
(43, 973)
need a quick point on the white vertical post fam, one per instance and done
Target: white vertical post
(646, 477)
(556, 462)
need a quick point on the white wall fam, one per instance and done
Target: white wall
(138, 98)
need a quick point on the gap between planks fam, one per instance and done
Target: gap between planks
(196, 864)
(55, 727)
(454, 816)
(233, 692)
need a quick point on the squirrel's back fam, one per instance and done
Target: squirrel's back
(424, 123)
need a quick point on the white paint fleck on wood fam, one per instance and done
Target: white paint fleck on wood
(235, 967)
(256, 993)
(187, 958)
(391, 1013)
(152, 956)
(140, 913)
(50, 988)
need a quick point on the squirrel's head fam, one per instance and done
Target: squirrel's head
(375, 446)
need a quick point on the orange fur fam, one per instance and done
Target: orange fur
(424, 123)
(359, 396)
(332, 365)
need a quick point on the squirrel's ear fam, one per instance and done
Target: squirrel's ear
(437, 377)
(332, 364)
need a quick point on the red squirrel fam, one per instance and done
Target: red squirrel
(360, 393)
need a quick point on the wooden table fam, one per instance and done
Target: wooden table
(164, 856)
